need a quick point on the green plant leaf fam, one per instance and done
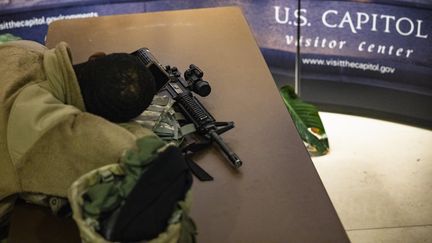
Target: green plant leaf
(307, 122)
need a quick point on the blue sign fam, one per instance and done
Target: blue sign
(379, 43)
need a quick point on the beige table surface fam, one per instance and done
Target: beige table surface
(277, 195)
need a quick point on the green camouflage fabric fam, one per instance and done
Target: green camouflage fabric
(110, 191)
(163, 120)
(104, 185)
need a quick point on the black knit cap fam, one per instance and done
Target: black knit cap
(117, 86)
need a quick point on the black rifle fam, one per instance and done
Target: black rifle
(169, 82)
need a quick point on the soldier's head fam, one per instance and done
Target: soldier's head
(117, 87)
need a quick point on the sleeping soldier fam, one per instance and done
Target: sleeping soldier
(59, 121)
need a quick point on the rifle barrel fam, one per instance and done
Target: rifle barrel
(233, 158)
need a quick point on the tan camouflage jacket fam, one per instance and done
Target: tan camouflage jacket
(47, 140)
